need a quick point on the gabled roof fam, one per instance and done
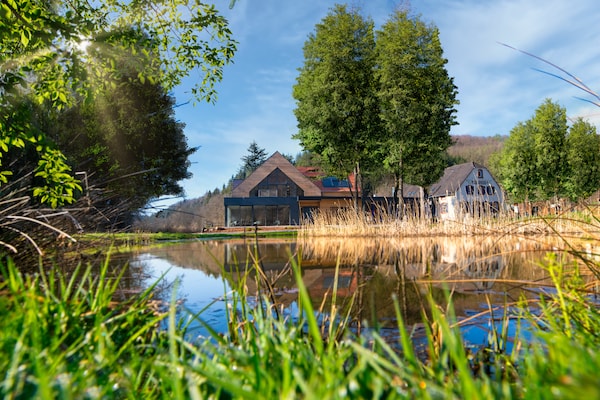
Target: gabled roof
(271, 164)
(453, 178)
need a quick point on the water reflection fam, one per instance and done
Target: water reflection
(477, 271)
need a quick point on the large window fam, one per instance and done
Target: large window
(259, 214)
(277, 184)
(240, 215)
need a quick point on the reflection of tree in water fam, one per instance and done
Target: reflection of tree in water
(471, 268)
(372, 270)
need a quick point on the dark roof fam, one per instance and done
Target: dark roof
(276, 161)
(453, 177)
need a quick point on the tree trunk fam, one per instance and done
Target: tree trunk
(357, 179)
(399, 190)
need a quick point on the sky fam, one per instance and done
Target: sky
(497, 86)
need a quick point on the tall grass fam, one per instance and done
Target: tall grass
(349, 222)
(68, 338)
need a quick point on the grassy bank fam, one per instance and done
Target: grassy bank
(91, 243)
(145, 238)
(77, 338)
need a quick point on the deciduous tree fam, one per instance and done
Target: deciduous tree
(416, 97)
(128, 142)
(550, 128)
(336, 105)
(544, 158)
(44, 56)
(583, 160)
(515, 164)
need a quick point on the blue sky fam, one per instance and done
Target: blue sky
(498, 87)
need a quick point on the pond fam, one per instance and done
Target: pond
(479, 273)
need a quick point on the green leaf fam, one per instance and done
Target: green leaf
(25, 36)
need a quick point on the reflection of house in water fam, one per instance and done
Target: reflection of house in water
(348, 281)
(318, 275)
(473, 264)
(270, 255)
(371, 271)
(485, 271)
(462, 267)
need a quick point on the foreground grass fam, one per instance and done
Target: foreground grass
(64, 338)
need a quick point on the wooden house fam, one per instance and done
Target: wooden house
(277, 193)
(466, 190)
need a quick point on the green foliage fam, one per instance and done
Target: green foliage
(515, 165)
(127, 140)
(583, 160)
(563, 362)
(54, 186)
(545, 159)
(307, 158)
(549, 126)
(337, 110)
(58, 53)
(67, 338)
(366, 99)
(49, 41)
(59, 185)
(417, 99)
(479, 149)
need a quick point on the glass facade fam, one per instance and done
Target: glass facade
(247, 215)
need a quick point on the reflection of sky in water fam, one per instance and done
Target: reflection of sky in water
(478, 273)
(201, 293)
(196, 291)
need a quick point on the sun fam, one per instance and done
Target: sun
(80, 45)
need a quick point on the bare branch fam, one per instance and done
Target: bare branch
(37, 221)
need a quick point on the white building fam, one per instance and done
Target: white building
(466, 190)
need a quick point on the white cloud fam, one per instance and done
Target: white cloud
(498, 87)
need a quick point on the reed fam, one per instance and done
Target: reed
(349, 222)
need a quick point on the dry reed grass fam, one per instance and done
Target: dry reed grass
(352, 223)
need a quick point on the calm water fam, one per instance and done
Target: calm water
(477, 271)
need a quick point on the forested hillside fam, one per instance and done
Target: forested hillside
(207, 212)
(475, 148)
(194, 215)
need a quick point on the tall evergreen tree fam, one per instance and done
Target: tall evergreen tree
(417, 99)
(337, 109)
(254, 159)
